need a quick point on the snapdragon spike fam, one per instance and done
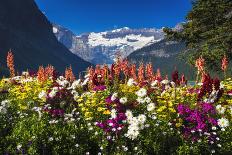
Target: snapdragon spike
(225, 63)
(141, 73)
(69, 74)
(41, 74)
(10, 63)
(200, 63)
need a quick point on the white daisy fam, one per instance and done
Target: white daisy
(141, 92)
(223, 122)
(123, 100)
(150, 107)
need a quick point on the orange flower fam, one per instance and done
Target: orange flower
(224, 63)
(158, 75)
(49, 70)
(133, 71)
(141, 73)
(200, 62)
(10, 63)
(41, 74)
(149, 71)
(183, 81)
(69, 74)
(125, 67)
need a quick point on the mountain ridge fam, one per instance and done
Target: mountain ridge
(29, 34)
(102, 47)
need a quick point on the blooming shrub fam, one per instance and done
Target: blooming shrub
(114, 111)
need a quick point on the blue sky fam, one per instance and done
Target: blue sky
(99, 15)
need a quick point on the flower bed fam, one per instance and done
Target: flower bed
(114, 111)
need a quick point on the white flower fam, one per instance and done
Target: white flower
(223, 122)
(76, 84)
(221, 85)
(3, 110)
(86, 76)
(142, 118)
(5, 103)
(63, 83)
(154, 83)
(125, 149)
(77, 145)
(173, 84)
(19, 147)
(123, 100)
(150, 107)
(113, 113)
(165, 82)
(114, 96)
(52, 94)
(214, 128)
(147, 99)
(220, 109)
(129, 114)
(140, 100)
(85, 82)
(132, 134)
(50, 139)
(141, 92)
(42, 94)
(131, 82)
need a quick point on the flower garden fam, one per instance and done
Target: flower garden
(115, 110)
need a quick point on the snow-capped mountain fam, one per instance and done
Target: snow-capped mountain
(102, 47)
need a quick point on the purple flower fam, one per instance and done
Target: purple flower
(99, 88)
(208, 108)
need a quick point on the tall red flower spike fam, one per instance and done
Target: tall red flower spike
(49, 70)
(149, 71)
(200, 63)
(41, 74)
(224, 63)
(158, 75)
(133, 72)
(141, 73)
(10, 63)
(69, 74)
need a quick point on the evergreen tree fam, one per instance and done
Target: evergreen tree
(207, 32)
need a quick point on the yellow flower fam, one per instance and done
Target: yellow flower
(172, 110)
(160, 109)
(106, 112)
(100, 109)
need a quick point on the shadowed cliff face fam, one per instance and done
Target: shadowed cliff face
(26, 30)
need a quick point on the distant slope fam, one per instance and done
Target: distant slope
(25, 29)
(101, 47)
(163, 55)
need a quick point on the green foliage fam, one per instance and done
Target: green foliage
(207, 32)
